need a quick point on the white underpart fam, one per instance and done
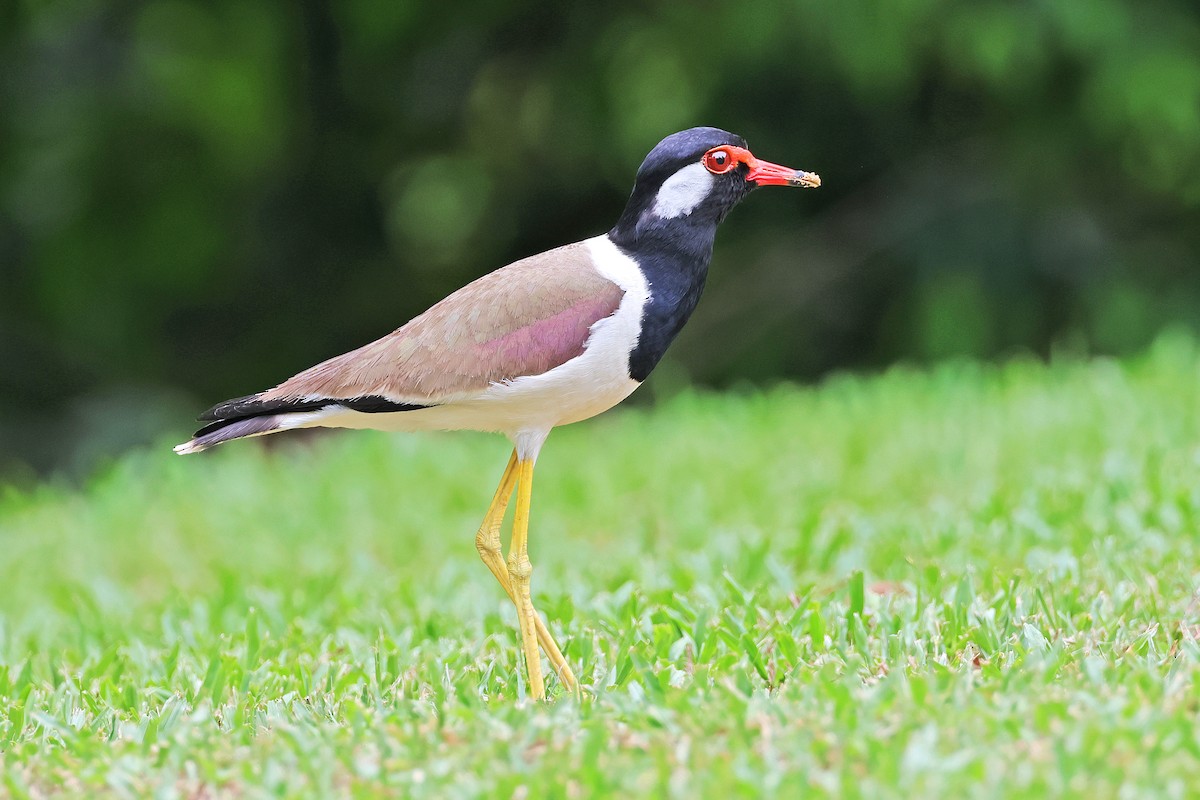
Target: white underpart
(526, 408)
(682, 192)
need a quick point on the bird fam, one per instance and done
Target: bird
(548, 340)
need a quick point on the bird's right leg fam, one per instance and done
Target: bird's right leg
(487, 542)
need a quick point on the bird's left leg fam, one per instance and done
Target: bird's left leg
(519, 570)
(487, 542)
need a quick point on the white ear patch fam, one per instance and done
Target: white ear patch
(682, 192)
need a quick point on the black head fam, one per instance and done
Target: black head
(693, 179)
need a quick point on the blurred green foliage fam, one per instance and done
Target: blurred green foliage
(197, 199)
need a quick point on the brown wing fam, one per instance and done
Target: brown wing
(523, 319)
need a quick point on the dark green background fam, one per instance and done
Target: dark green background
(199, 198)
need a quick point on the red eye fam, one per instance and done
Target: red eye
(719, 160)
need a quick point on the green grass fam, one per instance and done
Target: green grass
(970, 581)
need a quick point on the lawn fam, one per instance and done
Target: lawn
(966, 581)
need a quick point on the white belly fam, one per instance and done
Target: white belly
(510, 409)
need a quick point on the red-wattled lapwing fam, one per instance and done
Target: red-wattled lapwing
(551, 339)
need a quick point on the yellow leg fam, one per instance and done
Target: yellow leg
(519, 571)
(487, 542)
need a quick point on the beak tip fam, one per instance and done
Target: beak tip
(809, 180)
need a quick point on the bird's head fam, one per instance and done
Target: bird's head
(699, 175)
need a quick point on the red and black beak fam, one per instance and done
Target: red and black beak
(764, 173)
(724, 159)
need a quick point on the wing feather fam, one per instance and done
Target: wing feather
(523, 319)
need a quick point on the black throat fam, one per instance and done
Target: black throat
(674, 255)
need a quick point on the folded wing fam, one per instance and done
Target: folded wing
(524, 319)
